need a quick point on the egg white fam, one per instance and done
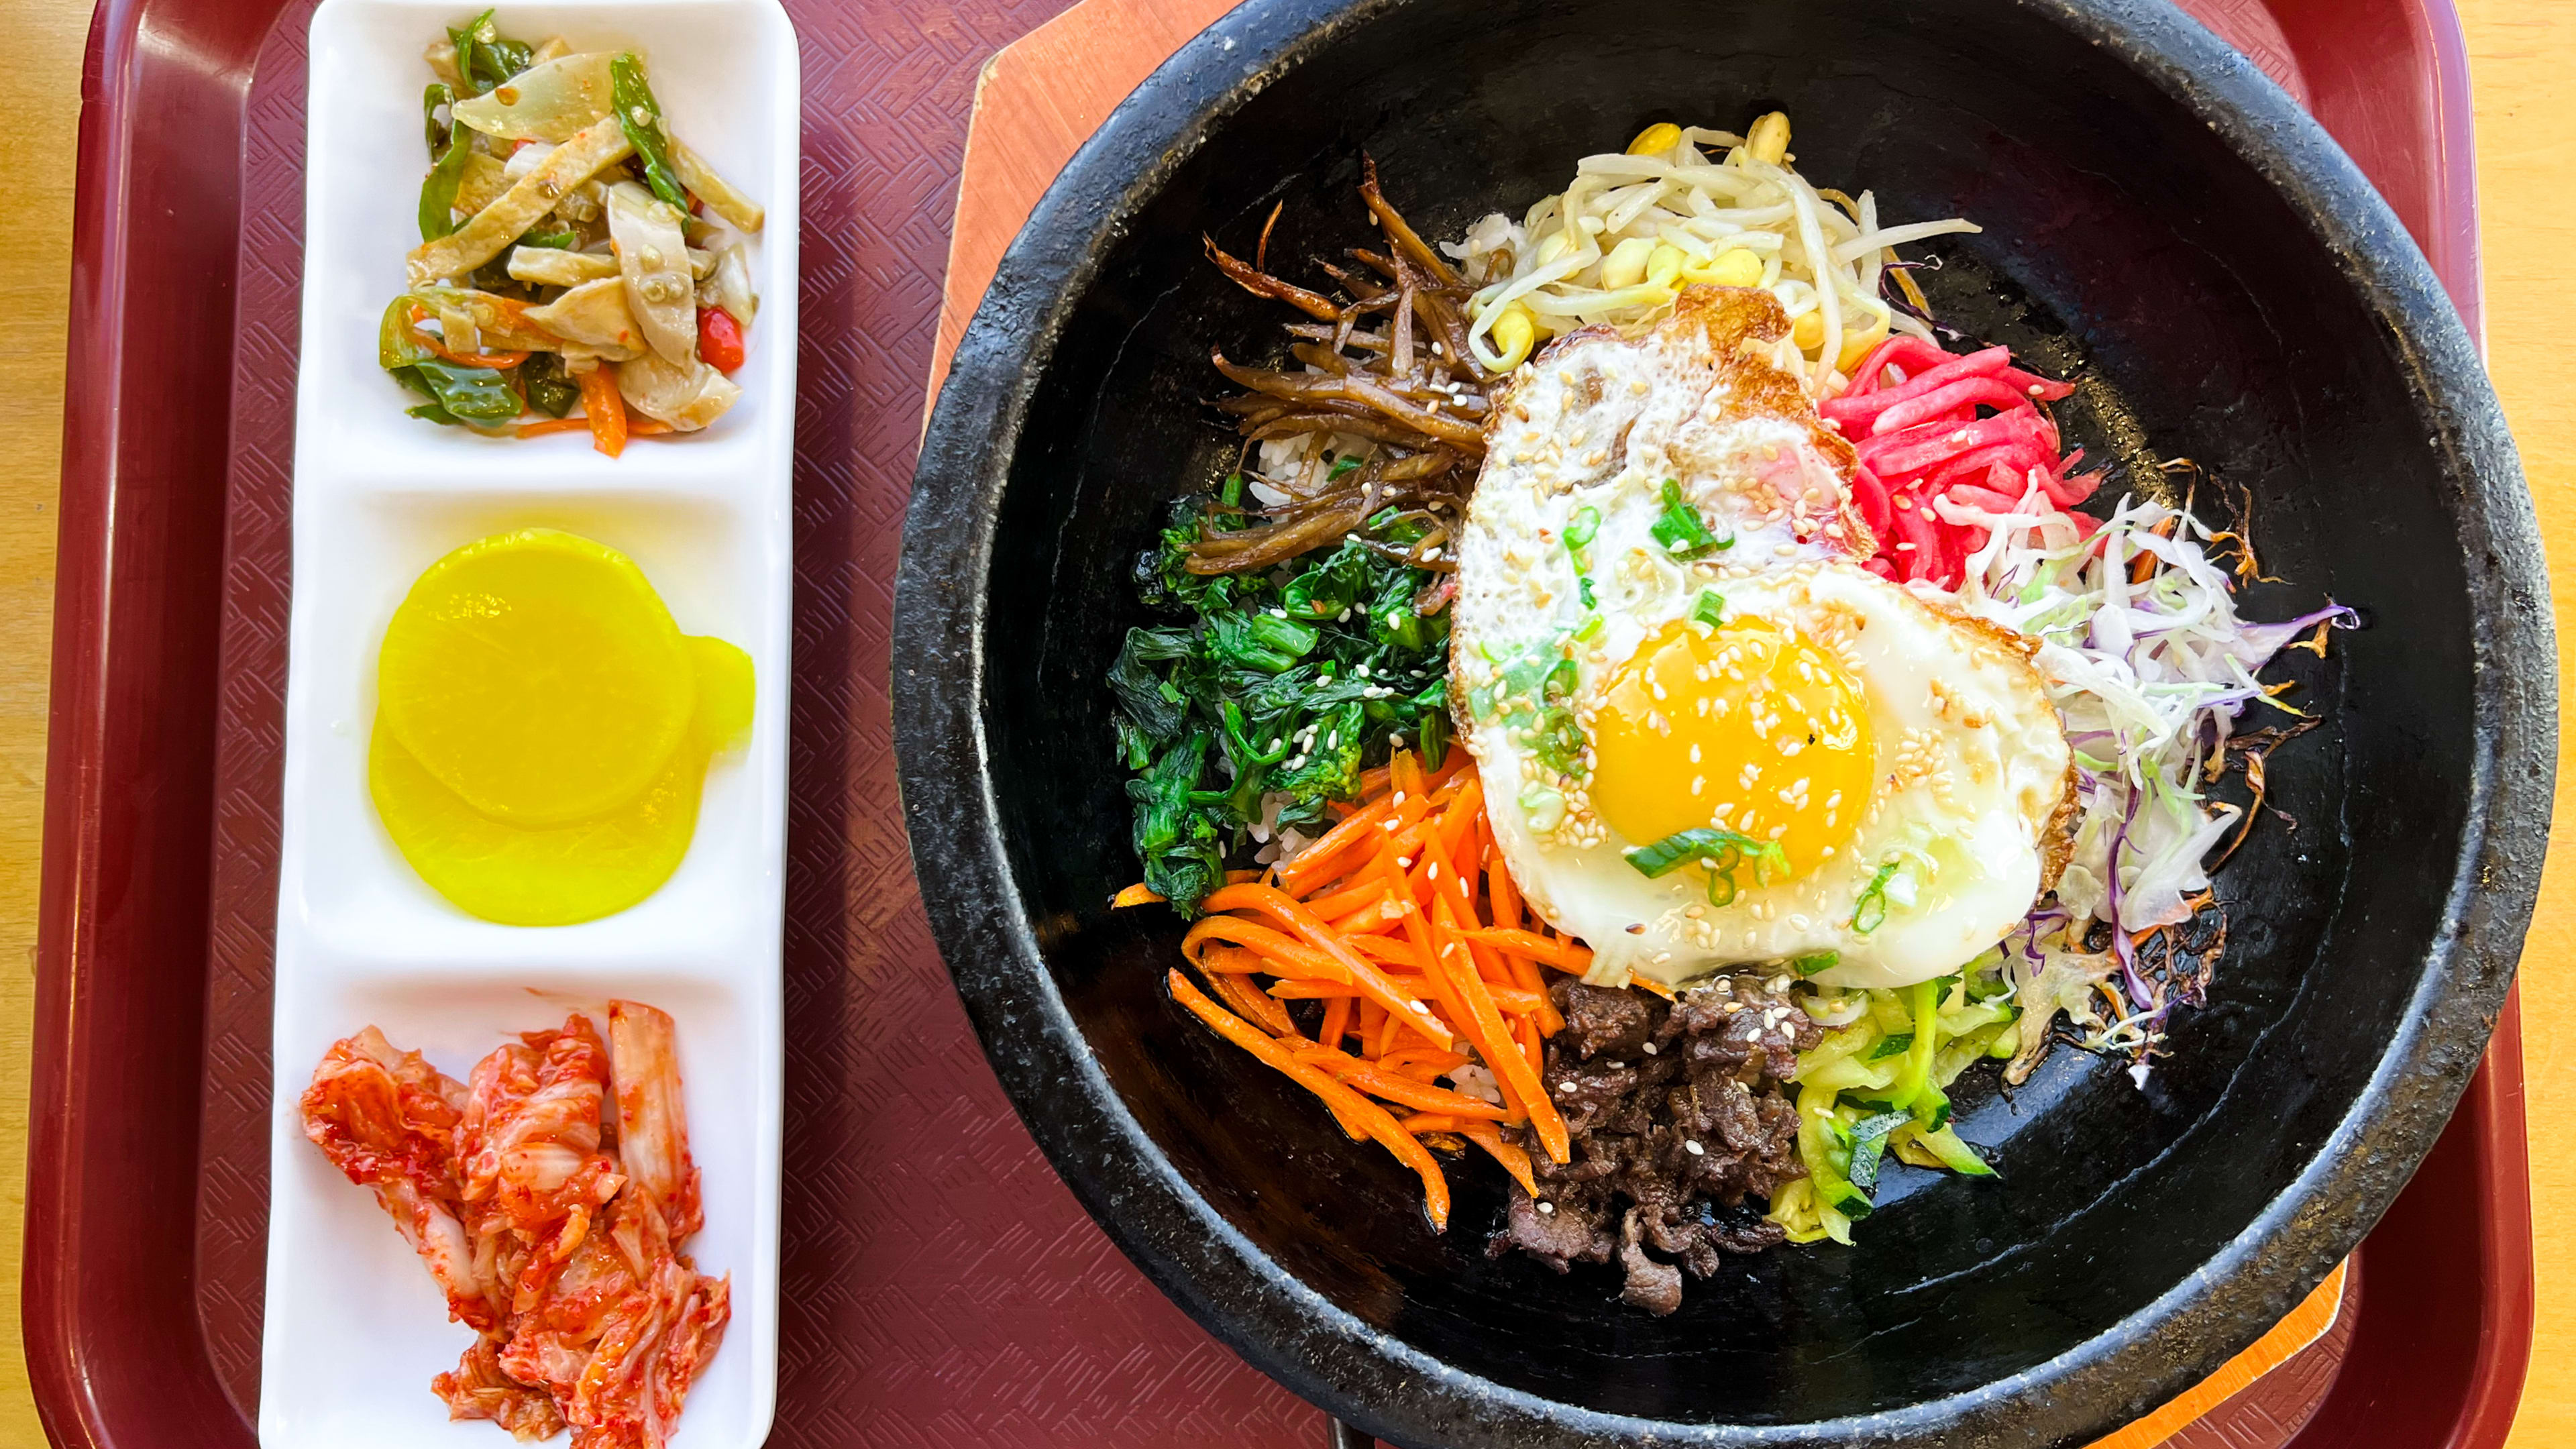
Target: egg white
(1971, 779)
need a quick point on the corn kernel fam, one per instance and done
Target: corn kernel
(1769, 138)
(1734, 267)
(1656, 139)
(1514, 332)
(1808, 331)
(1626, 264)
(1664, 263)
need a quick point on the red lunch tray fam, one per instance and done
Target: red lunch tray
(941, 1289)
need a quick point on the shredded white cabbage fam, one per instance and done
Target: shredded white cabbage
(1631, 229)
(2150, 674)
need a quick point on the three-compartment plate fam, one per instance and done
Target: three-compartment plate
(355, 1329)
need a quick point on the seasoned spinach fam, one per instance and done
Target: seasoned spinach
(1287, 683)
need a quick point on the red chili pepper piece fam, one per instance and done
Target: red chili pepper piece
(719, 339)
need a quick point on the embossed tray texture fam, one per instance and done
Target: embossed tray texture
(937, 1285)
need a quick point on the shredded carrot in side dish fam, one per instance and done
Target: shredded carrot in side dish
(604, 410)
(1403, 924)
(544, 426)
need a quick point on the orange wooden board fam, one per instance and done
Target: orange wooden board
(1036, 102)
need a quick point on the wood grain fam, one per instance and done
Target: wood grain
(2526, 114)
(39, 112)
(2519, 58)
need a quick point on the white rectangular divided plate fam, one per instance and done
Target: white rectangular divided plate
(355, 1329)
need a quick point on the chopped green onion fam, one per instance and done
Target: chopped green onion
(1582, 527)
(1341, 467)
(1870, 911)
(1711, 608)
(1680, 530)
(1721, 851)
(1809, 965)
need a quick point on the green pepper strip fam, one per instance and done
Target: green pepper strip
(439, 133)
(464, 41)
(641, 115)
(438, 190)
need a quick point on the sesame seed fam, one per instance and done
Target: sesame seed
(1547, 1207)
(1650, 1048)
(1694, 1149)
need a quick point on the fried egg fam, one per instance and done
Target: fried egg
(1708, 738)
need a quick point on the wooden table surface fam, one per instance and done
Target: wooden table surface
(2520, 58)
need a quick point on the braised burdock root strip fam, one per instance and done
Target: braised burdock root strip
(1390, 369)
(551, 1198)
(573, 252)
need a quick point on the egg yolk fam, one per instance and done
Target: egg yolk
(1747, 727)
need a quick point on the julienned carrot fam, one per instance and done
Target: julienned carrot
(1248, 1000)
(1393, 952)
(1432, 1057)
(1417, 930)
(1506, 897)
(1291, 957)
(1514, 1161)
(1309, 864)
(1528, 1033)
(1502, 1054)
(1509, 1000)
(543, 426)
(1337, 1020)
(1374, 783)
(1139, 894)
(1378, 1122)
(1340, 1104)
(1354, 1072)
(1235, 961)
(604, 410)
(1344, 902)
(1563, 955)
(1289, 912)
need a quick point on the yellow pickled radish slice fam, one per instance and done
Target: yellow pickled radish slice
(523, 876)
(724, 693)
(539, 677)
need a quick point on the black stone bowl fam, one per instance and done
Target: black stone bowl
(2161, 222)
